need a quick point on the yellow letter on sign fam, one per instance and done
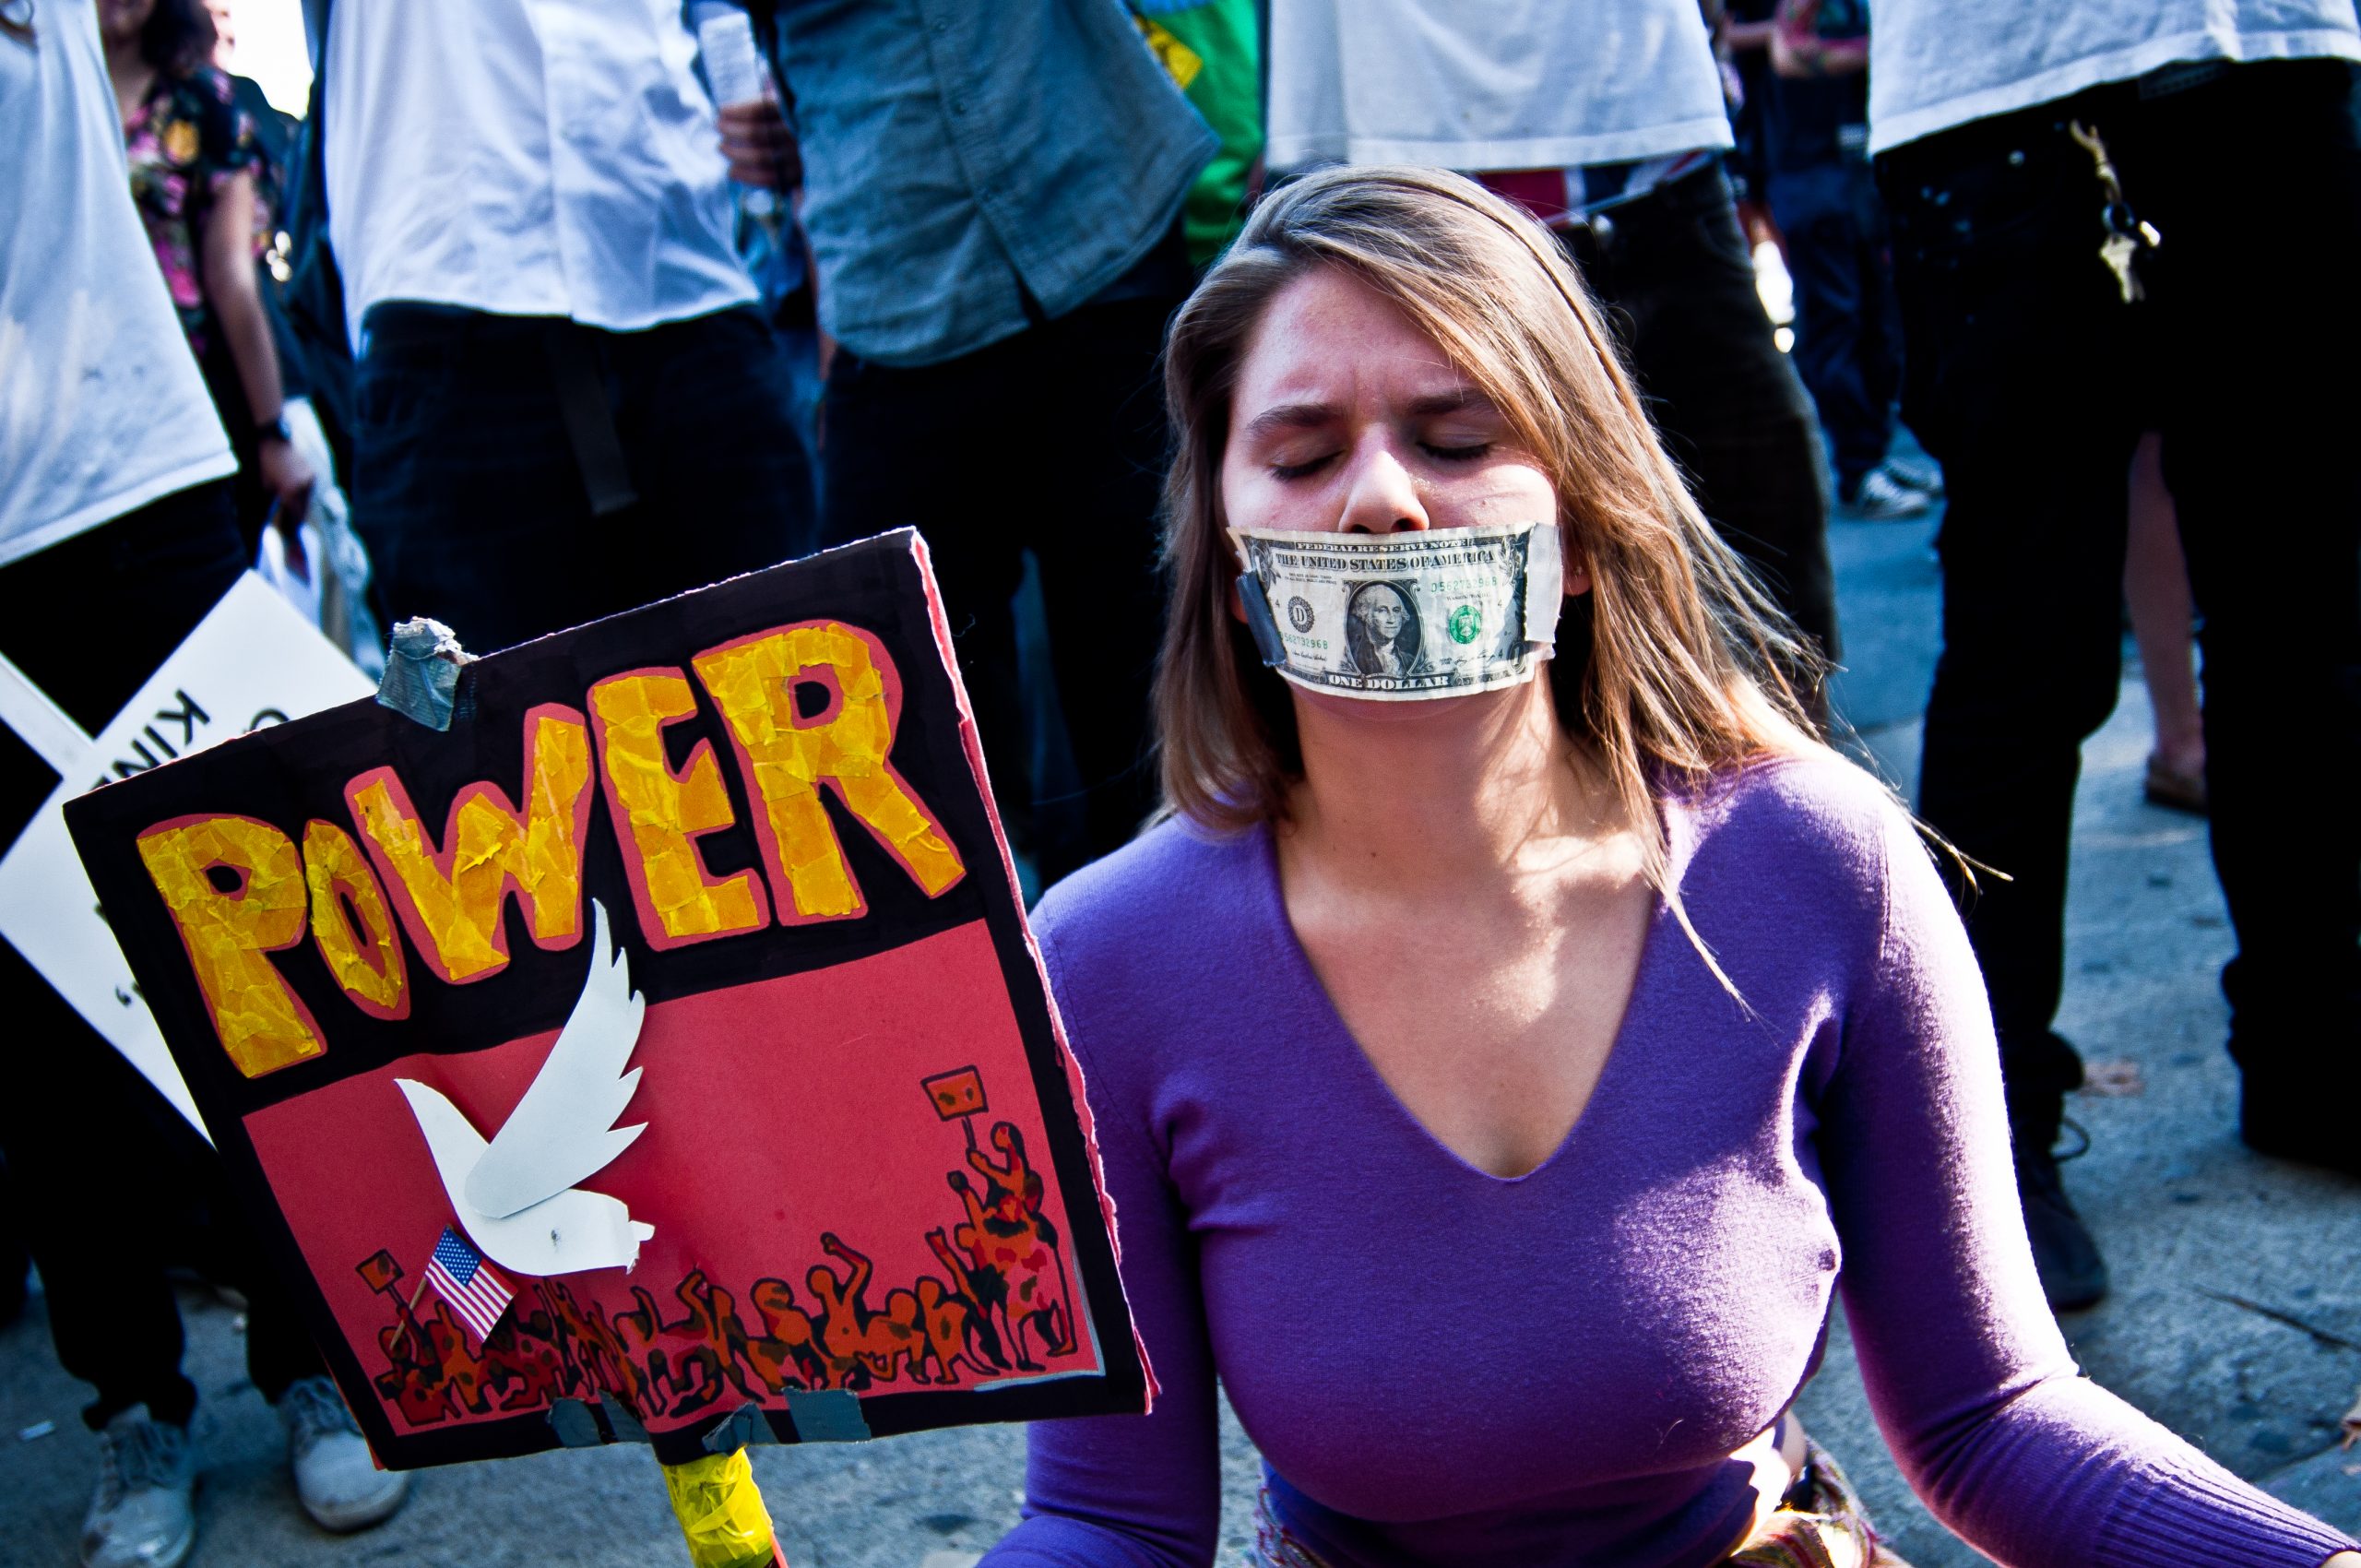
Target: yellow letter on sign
(366, 962)
(451, 899)
(229, 923)
(659, 814)
(786, 758)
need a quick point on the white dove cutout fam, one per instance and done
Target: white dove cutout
(515, 1197)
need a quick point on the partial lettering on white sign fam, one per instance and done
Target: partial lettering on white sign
(252, 662)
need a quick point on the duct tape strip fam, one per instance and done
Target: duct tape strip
(1545, 584)
(589, 1424)
(742, 1427)
(1258, 619)
(826, 1415)
(421, 680)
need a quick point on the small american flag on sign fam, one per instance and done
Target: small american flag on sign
(462, 1277)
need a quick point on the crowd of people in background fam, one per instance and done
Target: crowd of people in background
(580, 338)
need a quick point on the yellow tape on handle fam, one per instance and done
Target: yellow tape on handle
(721, 1513)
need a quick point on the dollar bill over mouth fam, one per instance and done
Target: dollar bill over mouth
(1405, 616)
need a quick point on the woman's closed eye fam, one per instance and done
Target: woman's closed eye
(1463, 434)
(1456, 454)
(1440, 451)
(1304, 468)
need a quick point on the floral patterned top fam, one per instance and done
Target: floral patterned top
(185, 142)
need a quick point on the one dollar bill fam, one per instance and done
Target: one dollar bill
(1398, 617)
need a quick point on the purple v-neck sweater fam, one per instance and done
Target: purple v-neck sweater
(1444, 1367)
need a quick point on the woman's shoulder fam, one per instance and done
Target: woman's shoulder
(1795, 870)
(1177, 883)
(1810, 818)
(1146, 947)
(196, 87)
(1822, 785)
(204, 93)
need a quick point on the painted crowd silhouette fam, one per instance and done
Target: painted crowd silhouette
(1005, 1306)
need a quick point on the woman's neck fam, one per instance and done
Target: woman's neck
(1420, 798)
(131, 74)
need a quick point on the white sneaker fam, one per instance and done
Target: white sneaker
(140, 1517)
(337, 1482)
(1883, 498)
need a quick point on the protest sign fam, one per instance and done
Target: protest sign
(585, 1063)
(252, 662)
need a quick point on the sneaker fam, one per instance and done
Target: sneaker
(140, 1517)
(1924, 477)
(2073, 1276)
(1882, 498)
(336, 1478)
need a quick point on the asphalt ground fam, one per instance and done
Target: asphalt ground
(2235, 1317)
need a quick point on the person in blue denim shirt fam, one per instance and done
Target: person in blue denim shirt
(993, 196)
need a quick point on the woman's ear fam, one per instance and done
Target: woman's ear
(1577, 570)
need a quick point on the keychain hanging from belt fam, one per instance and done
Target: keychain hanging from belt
(2128, 238)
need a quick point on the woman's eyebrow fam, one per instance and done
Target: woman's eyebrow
(1290, 416)
(1458, 399)
(1310, 416)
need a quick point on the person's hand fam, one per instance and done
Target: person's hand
(289, 479)
(760, 148)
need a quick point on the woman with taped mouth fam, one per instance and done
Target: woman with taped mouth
(1501, 1138)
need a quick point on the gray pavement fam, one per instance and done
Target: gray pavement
(2236, 1318)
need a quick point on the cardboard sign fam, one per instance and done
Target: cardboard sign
(252, 663)
(593, 1066)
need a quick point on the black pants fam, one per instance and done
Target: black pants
(1674, 269)
(112, 1185)
(1050, 441)
(2031, 379)
(469, 485)
(1848, 325)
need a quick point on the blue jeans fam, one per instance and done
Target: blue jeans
(1848, 326)
(2031, 379)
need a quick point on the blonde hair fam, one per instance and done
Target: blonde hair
(1679, 667)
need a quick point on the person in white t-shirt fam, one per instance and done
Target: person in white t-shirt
(116, 536)
(1607, 121)
(567, 402)
(2111, 217)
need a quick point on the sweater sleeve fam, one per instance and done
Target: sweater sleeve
(1971, 1381)
(1141, 1490)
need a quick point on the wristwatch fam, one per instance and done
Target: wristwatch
(276, 428)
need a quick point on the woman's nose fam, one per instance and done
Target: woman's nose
(1380, 496)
